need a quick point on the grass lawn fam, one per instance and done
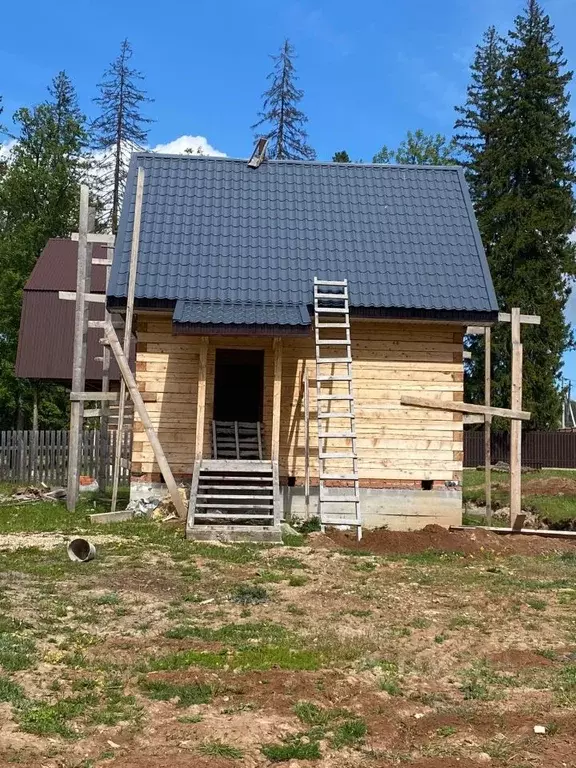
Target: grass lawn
(550, 493)
(166, 653)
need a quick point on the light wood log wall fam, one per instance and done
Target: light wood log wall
(395, 443)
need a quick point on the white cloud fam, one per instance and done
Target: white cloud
(197, 145)
(6, 148)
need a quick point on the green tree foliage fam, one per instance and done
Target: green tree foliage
(281, 117)
(419, 148)
(341, 157)
(119, 129)
(38, 200)
(527, 211)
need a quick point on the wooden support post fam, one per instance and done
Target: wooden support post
(128, 327)
(488, 424)
(277, 399)
(516, 426)
(79, 359)
(159, 455)
(306, 442)
(201, 403)
(104, 458)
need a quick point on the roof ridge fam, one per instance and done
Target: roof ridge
(271, 161)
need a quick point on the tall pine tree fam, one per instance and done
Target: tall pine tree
(281, 117)
(476, 139)
(119, 129)
(528, 211)
(38, 200)
(341, 157)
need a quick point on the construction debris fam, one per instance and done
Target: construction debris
(31, 494)
(150, 507)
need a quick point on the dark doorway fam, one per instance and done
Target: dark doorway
(239, 385)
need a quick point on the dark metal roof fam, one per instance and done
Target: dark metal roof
(217, 232)
(223, 313)
(46, 337)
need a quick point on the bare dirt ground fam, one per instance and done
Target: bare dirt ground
(423, 649)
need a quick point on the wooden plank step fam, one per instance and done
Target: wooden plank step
(333, 378)
(353, 476)
(235, 506)
(235, 487)
(232, 516)
(335, 397)
(339, 499)
(326, 456)
(206, 478)
(338, 435)
(214, 465)
(234, 496)
(336, 415)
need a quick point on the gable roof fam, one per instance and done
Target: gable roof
(46, 335)
(219, 235)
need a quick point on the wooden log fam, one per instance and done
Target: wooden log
(128, 320)
(516, 427)
(448, 405)
(96, 237)
(201, 399)
(307, 444)
(82, 397)
(488, 424)
(159, 455)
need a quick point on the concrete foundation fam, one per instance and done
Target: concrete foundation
(405, 509)
(399, 509)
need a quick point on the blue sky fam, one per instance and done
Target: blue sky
(370, 70)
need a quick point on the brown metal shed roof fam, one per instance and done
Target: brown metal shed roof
(46, 338)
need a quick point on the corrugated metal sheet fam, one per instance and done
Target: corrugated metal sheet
(222, 313)
(46, 338)
(214, 230)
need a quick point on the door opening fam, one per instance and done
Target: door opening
(239, 385)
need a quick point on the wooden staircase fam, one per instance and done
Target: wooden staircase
(234, 500)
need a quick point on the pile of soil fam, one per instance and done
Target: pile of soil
(434, 537)
(549, 486)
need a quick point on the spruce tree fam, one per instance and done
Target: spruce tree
(530, 211)
(38, 200)
(281, 117)
(119, 129)
(476, 139)
(341, 157)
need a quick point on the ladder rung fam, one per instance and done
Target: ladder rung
(323, 521)
(333, 378)
(333, 325)
(332, 310)
(235, 477)
(339, 499)
(332, 296)
(328, 456)
(328, 435)
(330, 282)
(336, 415)
(333, 360)
(339, 477)
(332, 342)
(335, 397)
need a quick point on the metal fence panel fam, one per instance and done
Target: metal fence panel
(539, 449)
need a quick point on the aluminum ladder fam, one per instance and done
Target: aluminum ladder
(338, 505)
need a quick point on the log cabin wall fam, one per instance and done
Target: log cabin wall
(398, 447)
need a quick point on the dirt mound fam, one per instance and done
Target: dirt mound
(434, 537)
(549, 486)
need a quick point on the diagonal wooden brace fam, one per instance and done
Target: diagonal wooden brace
(132, 388)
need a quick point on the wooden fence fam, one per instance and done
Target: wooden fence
(539, 449)
(42, 456)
